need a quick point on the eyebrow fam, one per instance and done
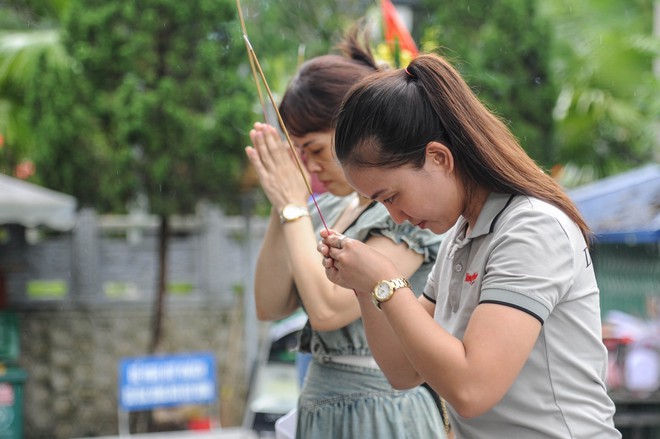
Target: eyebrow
(306, 144)
(377, 194)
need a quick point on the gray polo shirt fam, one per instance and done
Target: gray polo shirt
(527, 254)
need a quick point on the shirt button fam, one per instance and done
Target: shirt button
(458, 267)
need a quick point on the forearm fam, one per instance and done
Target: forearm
(273, 285)
(328, 306)
(442, 360)
(386, 347)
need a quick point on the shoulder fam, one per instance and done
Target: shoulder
(377, 222)
(531, 217)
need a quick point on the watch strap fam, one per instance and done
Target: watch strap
(396, 283)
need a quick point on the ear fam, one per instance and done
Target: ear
(439, 156)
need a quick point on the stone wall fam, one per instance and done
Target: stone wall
(73, 338)
(72, 356)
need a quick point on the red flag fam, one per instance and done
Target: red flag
(394, 28)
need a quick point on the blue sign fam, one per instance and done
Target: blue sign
(161, 381)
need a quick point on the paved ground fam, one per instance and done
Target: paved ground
(224, 433)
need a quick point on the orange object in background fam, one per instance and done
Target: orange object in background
(202, 424)
(395, 30)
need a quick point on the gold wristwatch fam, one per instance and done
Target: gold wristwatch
(292, 212)
(384, 290)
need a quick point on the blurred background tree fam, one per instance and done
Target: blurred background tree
(573, 80)
(284, 34)
(164, 83)
(29, 43)
(144, 101)
(503, 50)
(608, 107)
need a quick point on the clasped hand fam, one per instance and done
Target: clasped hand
(276, 168)
(352, 264)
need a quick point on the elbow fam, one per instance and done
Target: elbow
(322, 323)
(269, 313)
(263, 315)
(398, 384)
(398, 381)
(471, 404)
(324, 319)
(468, 412)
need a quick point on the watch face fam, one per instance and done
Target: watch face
(288, 212)
(383, 290)
(292, 212)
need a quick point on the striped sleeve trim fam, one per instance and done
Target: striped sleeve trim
(430, 299)
(517, 301)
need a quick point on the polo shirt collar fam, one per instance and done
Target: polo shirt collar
(490, 212)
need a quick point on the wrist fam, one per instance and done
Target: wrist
(292, 212)
(364, 298)
(384, 290)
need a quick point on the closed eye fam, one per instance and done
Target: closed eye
(388, 200)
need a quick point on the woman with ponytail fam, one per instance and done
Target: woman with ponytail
(507, 329)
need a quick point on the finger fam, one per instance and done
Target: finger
(261, 145)
(257, 138)
(337, 241)
(267, 142)
(328, 263)
(322, 248)
(325, 236)
(269, 136)
(255, 158)
(251, 153)
(326, 233)
(281, 152)
(278, 149)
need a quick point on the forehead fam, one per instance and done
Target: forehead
(316, 137)
(370, 181)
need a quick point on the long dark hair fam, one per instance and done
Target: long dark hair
(388, 119)
(314, 95)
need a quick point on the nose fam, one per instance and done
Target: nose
(312, 165)
(397, 215)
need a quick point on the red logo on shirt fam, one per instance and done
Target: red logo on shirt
(471, 278)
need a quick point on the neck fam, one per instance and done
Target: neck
(352, 211)
(363, 201)
(477, 201)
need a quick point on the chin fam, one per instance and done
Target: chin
(339, 190)
(436, 229)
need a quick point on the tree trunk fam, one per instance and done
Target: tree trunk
(159, 300)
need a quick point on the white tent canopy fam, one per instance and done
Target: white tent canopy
(31, 205)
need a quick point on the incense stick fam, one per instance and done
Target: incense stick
(254, 62)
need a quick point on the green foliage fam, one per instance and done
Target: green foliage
(502, 49)
(70, 152)
(167, 96)
(608, 108)
(115, 99)
(285, 33)
(26, 14)
(282, 26)
(28, 43)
